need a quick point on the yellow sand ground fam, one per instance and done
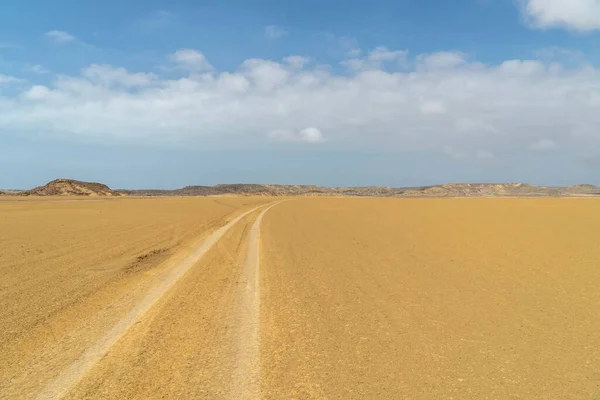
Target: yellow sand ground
(431, 299)
(190, 344)
(354, 298)
(71, 268)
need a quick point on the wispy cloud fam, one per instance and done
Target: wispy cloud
(544, 145)
(297, 62)
(484, 155)
(454, 153)
(191, 59)
(567, 57)
(556, 52)
(274, 32)
(155, 21)
(458, 154)
(343, 46)
(7, 45)
(376, 58)
(38, 69)
(441, 60)
(310, 135)
(60, 36)
(108, 76)
(9, 80)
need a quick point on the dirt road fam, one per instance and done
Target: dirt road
(76, 273)
(334, 298)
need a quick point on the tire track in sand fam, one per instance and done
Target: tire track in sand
(72, 374)
(245, 384)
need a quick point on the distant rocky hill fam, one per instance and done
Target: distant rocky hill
(264, 190)
(481, 190)
(70, 187)
(448, 190)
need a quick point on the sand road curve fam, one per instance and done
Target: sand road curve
(245, 381)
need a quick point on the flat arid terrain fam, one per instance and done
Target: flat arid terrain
(303, 298)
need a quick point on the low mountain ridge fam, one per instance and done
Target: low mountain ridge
(447, 190)
(71, 187)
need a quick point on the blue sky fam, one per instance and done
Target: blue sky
(165, 94)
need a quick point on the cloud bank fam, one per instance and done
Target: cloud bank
(60, 36)
(274, 32)
(385, 101)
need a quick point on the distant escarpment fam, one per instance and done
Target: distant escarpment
(70, 187)
(448, 190)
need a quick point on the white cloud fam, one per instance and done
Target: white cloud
(232, 83)
(382, 54)
(191, 59)
(458, 154)
(441, 60)
(577, 15)
(522, 67)
(354, 52)
(38, 69)
(343, 46)
(470, 108)
(9, 80)
(376, 58)
(266, 75)
(484, 155)
(106, 75)
(296, 61)
(37, 92)
(274, 32)
(432, 107)
(307, 135)
(60, 36)
(311, 135)
(559, 53)
(544, 145)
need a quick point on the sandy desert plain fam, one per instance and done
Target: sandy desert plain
(306, 298)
